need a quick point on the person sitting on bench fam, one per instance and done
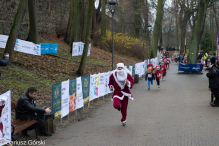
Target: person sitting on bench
(27, 110)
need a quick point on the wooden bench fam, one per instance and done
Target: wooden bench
(19, 125)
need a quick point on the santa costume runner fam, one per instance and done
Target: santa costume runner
(120, 82)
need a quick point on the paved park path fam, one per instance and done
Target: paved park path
(177, 114)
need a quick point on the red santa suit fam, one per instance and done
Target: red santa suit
(150, 65)
(168, 63)
(165, 61)
(163, 68)
(121, 92)
(157, 74)
(164, 52)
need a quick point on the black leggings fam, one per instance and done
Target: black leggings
(216, 95)
(158, 82)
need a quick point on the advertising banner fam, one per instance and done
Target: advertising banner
(48, 48)
(27, 47)
(3, 40)
(78, 47)
(72, 95)
(5, 118)
(85, 88)
(130, 69)
(196, 67)
(79, 94)
(45, 48)
(75, 48)
(102, 85)
(94, 86)
(56, 100)
(190, 67)
(65, 98)
(184, 67)
(80, 51)
(89, 49)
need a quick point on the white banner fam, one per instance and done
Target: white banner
(130, 69)
(65, 98)
(102, 85)
(79, 100)
(75, 49)
(3, 40)
(22, 46)
(89, 48)
(80, 51)
(138, 69)
(94, 86)
(78, 47)
(5, 119)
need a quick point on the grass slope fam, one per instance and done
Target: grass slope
(43, 71)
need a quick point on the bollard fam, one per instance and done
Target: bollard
(136, 78)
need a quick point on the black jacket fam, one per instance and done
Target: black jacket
(26, 108)
(150, 78)
(4, 62)
(213, 77)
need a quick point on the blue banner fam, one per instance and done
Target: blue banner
(190, 67)
(196, 67)
(48, 48)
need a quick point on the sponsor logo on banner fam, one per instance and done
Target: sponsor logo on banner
(5, 117)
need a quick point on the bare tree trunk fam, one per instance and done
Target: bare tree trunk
(183, 28)
(137, 18)
(215, 16)
(85, 18)
(98, 15)
(199, 28)
(33, 35)
(156, 29)
(80, 70)
(94, 22)
(103, 18)
(15, 27)
(68, 36)
(177, 25)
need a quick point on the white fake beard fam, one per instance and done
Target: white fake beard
(121, 75)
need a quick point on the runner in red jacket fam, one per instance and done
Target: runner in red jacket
(164, 52)
(165, 61)
(163, 69)
(168, 62)
(157, 74)
(150, 65)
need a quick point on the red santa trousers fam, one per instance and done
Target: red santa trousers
(117, 103)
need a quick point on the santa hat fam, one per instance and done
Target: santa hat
(120, 65)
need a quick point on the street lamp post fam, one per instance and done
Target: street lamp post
(112, 5)
(148, 33)
(143, 34)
